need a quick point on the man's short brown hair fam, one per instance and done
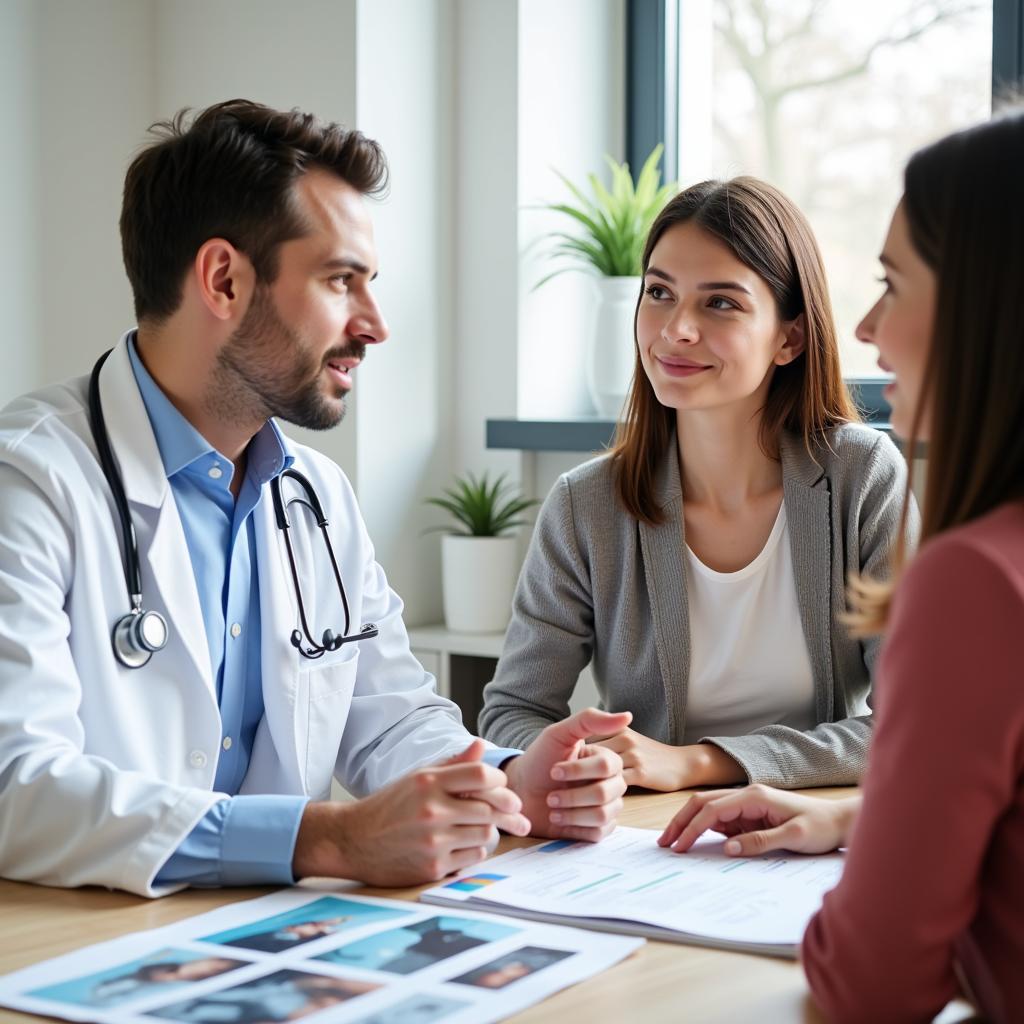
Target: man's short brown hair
(228, 174)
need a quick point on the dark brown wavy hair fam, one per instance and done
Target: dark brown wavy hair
(767, 233)
(964, 205)
(228, 174)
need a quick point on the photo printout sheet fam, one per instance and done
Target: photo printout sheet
(756, 901)
(296, 954)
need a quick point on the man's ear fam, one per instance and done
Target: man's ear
(224, 278)
(795, 333)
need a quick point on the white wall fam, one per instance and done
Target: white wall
(571, 113)
(83, 122)
(485, 363)
(571, 98)
(19, 296)
(539, 85)
(297, 54)
(404, 412)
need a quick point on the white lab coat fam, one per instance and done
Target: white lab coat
(104, 770)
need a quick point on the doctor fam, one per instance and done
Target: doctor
(197, 744)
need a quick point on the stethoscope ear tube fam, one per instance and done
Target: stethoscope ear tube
(139, 634)
(303, 640)
(130, 563)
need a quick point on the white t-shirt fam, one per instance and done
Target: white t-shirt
(749, 665)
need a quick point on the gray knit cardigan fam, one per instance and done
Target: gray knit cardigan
(600, 587)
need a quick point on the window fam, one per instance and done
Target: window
(823, 98)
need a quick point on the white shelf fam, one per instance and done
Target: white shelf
(444, 641)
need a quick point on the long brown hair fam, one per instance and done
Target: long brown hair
(965, 209)
(767, 233)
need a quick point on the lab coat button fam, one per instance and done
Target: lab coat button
(197, 759)
(227, 743)
(236, 630)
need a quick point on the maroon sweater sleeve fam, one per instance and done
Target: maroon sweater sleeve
(942, 769)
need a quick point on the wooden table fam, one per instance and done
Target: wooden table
(661, 982)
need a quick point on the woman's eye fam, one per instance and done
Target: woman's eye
(656, 291)
(887, 285)
(721, 302)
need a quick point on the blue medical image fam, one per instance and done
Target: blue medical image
(511, 967)
(162, 971)
(418, 945)
(304, 924)
(283, 995)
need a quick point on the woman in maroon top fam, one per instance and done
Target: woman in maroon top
(931, 902)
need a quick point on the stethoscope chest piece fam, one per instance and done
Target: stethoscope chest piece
(137, 636)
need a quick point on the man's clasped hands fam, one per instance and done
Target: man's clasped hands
(445, 817)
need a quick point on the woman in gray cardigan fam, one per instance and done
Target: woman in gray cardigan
(701, 565)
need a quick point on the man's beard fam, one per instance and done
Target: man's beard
(264, 370)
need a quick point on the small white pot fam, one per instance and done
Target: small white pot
(610, 358)
(478, 578)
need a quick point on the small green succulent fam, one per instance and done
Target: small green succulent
(482, 508)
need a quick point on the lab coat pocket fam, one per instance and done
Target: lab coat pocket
(325, 695)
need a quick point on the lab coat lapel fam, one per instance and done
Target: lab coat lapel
(665, 571)
(281, 663)
(168, 581)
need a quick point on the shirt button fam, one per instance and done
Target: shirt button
(216, 472)
(197, 759)
(236, 630)
(227, 743)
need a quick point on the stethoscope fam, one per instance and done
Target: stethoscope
(137, 636)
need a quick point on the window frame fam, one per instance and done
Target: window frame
(652, 90)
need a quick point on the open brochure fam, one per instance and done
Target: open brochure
(629, 884)
(296, 952)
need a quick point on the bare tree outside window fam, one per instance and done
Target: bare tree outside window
(826, 99)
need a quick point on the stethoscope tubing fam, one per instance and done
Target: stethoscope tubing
(135, 637)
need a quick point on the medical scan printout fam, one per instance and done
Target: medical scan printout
(627, 883)
(300, 952)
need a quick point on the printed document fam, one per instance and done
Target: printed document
(627, 883)
(296, 953)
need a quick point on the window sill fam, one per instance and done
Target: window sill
(593, 434)
(581, 435)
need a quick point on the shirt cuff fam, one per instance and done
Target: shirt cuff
(243, 840)
(497, 756)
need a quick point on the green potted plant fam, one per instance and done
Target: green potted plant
(611, 227)
(479, 553)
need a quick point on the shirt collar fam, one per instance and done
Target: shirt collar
(270, 454)
(181, 445)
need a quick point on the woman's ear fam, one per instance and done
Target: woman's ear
(794, 342)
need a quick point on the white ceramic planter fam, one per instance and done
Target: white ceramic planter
(478, 579)
(610, 358)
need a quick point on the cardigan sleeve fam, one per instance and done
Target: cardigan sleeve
(834, 752)
(550, 638)
(943, 771)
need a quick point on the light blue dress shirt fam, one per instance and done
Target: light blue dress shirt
(242, 840)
